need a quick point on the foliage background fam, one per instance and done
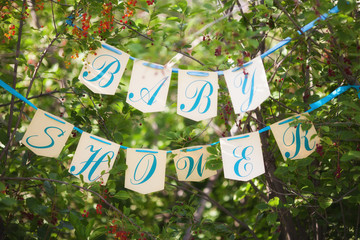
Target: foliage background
(41, 56)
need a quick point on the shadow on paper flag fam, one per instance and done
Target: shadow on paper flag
(293, 141)
(149, 86)
(190, 164)
(47, 134)
(103, 69)
(91, 158)
(242, 156)
(197, 94)
(146, 170)
(248, 86)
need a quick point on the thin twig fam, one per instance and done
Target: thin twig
(15, 71)
(53, 16)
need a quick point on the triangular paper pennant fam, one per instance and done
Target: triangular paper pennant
(146, 170)
(94, 158)
(149, 86)
(242, 156)
(47, 134)
(248, 86)
(190, 164)
(197, 94)
(294, 142)
(103, 69)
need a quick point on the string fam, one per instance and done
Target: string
(70, 19)
(313, 106)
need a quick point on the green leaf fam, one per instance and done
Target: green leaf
(351, 155)
(2, 186)
(274, 202)
(49, 188)
(89, 227)
(35, 207)
(271, 218)
(79, 228)
(122, 195)
(325, 202)
(346, 5)
(214, 164)
(270, 3)
(262, 206)
(8, 201)
(212, 150)
(325, 128)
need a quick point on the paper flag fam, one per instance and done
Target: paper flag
(47, 134)
(197, 94)
(149, 86)
(91, 158)
(103, 69)
(293, 141)
(247, 86)
(190, 164)
(146, 170)
(242, 156)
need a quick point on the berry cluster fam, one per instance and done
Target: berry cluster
(218, 51)
(319, 149)
(129, 12)
(118, 232)
(85, 214)
(11, 32)
(338, 171)
(39, 5)
(225, 115)
(26, 14)
(150, 2)
(98, 209)
(85, 24)
(107, 24)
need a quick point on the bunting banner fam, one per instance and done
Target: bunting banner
(47, 134)
(242, 157)
(103, 69)
(247, 86)
(149, 86)
(197, 94)
(294, 142)
(146, 170)
(197, 100)
(93, 158)
(190, 164)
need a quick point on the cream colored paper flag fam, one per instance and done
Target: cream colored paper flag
(91, 158)
(293, 141)
(149, 86)
(103, 69)
(47, 134)
(242, 157)
(190, 164)
(146, 170)
(247, 86)
(197, 94)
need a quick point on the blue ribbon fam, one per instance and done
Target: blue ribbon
(152, 65)
(313, 106)
(49, 116)
(100, 140)
(191, 149)
(16, 94)
(331, 96)
(198, 74)
(111, 49)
